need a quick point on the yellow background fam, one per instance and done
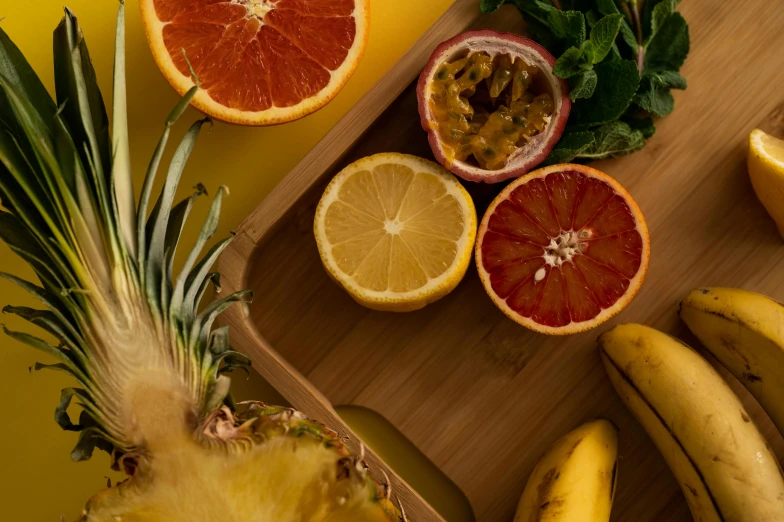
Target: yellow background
(38, 481)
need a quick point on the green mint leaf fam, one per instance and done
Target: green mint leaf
(663, 79)
(654, 96)
(570, 145)
(644, 125)
(568, 25)
(613, 139)
(534, 9)
(541, 33)
(582, 85)
(607, 7)
(628, 36)
(571, 62)
(649, 6)
(592, 18)
(668, 48)
(658, 103)
(603, 35)
(617, 82)
(488, 6)
(589, 53)
(660, 14)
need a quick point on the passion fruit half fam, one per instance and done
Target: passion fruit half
(491, 105)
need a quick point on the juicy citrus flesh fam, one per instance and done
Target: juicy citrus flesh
(257, 55)
(563, 250)
(396, 231)
(766, 170)
(486, 107)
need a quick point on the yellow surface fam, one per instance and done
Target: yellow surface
(39, 482)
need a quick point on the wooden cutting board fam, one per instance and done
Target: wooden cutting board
(480, 395)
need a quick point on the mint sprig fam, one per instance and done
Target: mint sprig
(622, 58)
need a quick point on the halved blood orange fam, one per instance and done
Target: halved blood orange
(562, 249)
(260, 62)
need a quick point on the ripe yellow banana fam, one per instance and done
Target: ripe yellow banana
(723, 464)
(575, 480)
(745, 332)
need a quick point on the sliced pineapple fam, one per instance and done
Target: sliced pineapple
(396, 231)
(266, 464)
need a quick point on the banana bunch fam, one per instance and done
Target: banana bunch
(724, 465)
(575, 479)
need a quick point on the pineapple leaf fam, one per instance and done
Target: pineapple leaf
(219, 340)
(212, 277)
(152, 170)
(61, 354)
(22, 242)
(207, 231)
(21, 75)
(47, 298)
(196, 283)
(47, 321)
(179, 215)
(122, 181)
(78, 93)
(159, 219)
(61, 412)
(91, 436)
(203, 324)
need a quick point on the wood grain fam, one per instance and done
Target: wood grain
(481, 396)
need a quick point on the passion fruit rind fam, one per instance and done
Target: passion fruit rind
(491, 105)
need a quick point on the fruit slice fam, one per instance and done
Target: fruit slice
(396, 231)
(260, 62)
(766, 170)
(562, 249)
(491, 105)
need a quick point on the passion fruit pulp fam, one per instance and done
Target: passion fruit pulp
(491, 105)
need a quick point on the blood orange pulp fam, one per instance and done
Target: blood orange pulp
(562, 249)
(260, 62)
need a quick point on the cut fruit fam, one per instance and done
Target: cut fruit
(766, 170)
(562, 249)
(491, 105)
(396, 231)
(259, 62)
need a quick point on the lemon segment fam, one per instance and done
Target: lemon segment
(396, 231)
(766, 170)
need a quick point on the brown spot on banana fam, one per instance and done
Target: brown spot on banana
(752, 377)
(744, 417)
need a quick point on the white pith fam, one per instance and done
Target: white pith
(394, 226)
(494, 47)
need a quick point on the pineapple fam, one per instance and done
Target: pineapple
(150, 366)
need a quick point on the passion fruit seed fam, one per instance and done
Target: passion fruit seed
(462, 103)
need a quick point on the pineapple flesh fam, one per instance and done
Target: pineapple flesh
(150, 367)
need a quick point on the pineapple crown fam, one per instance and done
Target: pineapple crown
(112, 302)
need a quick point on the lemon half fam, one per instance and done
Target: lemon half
(396, 231)
(766, 170)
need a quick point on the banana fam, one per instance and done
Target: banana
(745, 332)
(575, 480)
(724, 465)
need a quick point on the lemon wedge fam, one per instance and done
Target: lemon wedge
(766, 170)
(396, 231)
